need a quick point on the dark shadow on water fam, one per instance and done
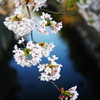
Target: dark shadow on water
(82, 56)
(8, 75)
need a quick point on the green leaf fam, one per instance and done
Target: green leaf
(62, 92)
(68, 4)
(52, 66)
(92, 21)
(85, 1)
(67, 93)
(48, 21)
(26, 55)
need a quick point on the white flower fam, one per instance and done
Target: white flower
(35, 3)
(43, 22)
(50, 46)
(17, 12)
(48, 70)
(21, 41)
(73, 92)
(43, 16)
(30, 45)
(57, 27)
(46, 53)
(46, 48)
(16, 48)
(20, 57)
(53, 23)
(46, 16)
(41, 67)
(55, 76)
(53, 58)
(44, 77)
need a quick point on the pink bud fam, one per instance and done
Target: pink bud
(59, 97)
(41, 62)
(18, 22)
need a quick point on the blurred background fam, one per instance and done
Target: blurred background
(77, 45)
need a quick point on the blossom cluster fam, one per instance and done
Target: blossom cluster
(68, 94)
(31, 54)
(47, 21)
(89, 10)
(50, 71)
(22, 25)
(19, 25)
(35, 3)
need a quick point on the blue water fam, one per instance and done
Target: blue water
(34, 89)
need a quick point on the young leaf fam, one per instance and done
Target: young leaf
(92, 21)
(68, 94)
(68, 4)
(85, 1)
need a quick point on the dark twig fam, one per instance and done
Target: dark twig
(55, 85)
(30, 18)
(63, 11)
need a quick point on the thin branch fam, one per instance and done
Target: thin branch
(50, 11)
(30, 18)
(32, 37)
(55, 85)
(28, 11)
(64, 11)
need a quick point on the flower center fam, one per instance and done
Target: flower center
(26, 1)
(16, 18)
(42, 44)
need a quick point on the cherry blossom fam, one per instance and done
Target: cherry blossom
(46, 16)
(35, 3)
(29, 45)
(70, 94)
(50, 71)
(47, 48)
(21, 41)
(52, 59)
(73, 93)
(31, 54)
(41, 67)
(20, 26)
(21, 57)
(47, 21)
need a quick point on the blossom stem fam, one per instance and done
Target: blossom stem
(24, 45)
(30, 18)
(28, 11)
(55, 85)
(32, 37)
